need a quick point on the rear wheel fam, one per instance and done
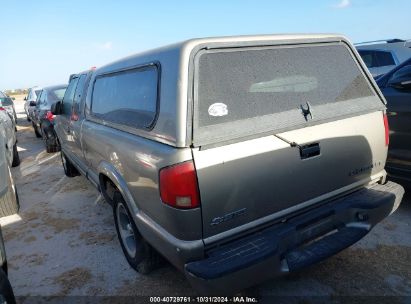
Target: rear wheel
(9, 204)
(52, 148)
(36, 131)
(68, 167)
(50, 143)
(16, 157)
(139, 254)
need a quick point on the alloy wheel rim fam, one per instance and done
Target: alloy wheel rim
(126, 230)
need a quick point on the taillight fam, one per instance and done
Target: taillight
(387, 130)
(2, 109)
(49, 116)
(179, 187)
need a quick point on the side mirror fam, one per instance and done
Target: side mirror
(33, 103)
(406, 84)
(402, 85)
(13, 98)
(56, 108)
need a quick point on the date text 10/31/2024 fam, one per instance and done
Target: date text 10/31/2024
(200, 299)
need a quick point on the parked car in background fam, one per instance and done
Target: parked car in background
(396, 87)
(382, 56)
(6, 291)
(31, 98)
(7, 103)
(41, 117)
(250, 160)
(10, 139)
(9, 157)
(9, 200)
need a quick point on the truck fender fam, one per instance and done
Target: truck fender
(111, 172)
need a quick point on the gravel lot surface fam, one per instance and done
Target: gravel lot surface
(63, 242)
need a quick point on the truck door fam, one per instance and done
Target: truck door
(63, 122)
(76, 119)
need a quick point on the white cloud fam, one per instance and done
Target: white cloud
(343, 4)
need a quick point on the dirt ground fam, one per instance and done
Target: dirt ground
(63, 242)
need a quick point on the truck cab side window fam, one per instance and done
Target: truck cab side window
(69, 96)
(78, 96)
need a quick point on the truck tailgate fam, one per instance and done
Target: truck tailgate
(248, 180)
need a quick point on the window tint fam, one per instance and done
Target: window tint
(41, 99)
(402, 74)
(59, 93)
(78, 95)
(374, 59)
(55, 95)
(368, 58)
(80, 88)
(128, 98)
(384, 58)
(239, 85)
(243, 92)
(69, 96)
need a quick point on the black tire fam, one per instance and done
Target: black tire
(28, 118)
(52, 148)
(6, 292)
(10, 204)
(17, 199)
(50, 143)
(69, 169)
(145, 258)
(36, 131)
(16, 157)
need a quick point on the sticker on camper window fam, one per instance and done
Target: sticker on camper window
(218, 109)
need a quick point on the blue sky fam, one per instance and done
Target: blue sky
(44, 41)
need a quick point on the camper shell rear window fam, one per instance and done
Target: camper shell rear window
(247, 91)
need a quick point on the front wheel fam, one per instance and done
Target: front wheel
(16, 157)
(50, 142)
(36, 131)
(139, 254)
(69, 169)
